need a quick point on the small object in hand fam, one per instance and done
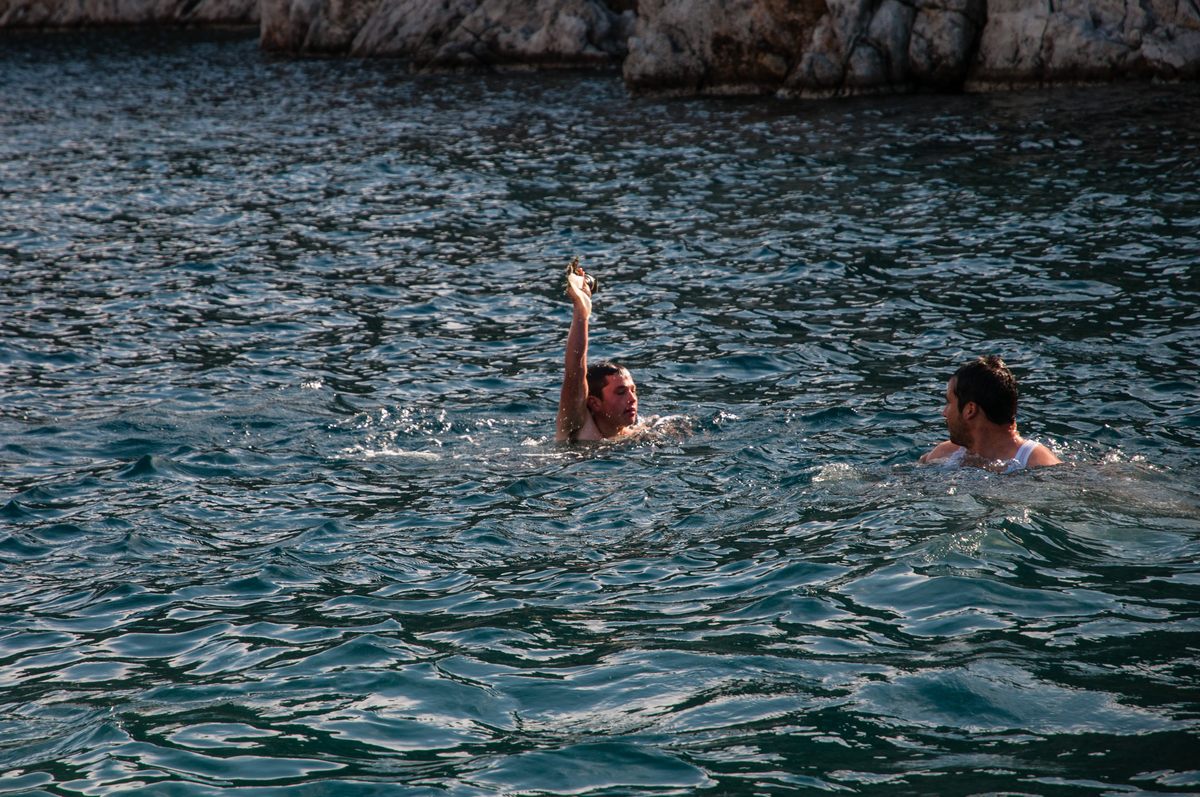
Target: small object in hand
(575, 268)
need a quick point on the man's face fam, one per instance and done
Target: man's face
(618, 400)
(960, 435)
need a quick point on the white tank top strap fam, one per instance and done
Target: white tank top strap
(1022, 455)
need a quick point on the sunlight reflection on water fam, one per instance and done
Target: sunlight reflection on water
(282, 509)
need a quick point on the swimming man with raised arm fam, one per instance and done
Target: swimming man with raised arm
(597, 402)
(981, 414)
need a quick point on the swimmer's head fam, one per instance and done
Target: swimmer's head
(598, 374)
(988, 382)
(612, 394)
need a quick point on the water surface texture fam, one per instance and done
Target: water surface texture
(280, 349)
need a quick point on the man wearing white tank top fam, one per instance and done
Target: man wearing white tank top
(981, 415)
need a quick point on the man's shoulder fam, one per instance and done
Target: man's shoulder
(1041, 456)
(590, 432)
(586, 433)
(943, 450)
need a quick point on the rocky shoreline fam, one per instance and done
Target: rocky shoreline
(53, 14)
(788, 48)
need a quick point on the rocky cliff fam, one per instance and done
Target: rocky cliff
(824, 47)
(81, 13)
(1073, 40)
(784, 47)
(437, 34)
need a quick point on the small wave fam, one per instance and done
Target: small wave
(363, 452)
(836, 472)
(678, 426)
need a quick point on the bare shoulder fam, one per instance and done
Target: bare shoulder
(1041, 456)
(943, 450)
(586, 432)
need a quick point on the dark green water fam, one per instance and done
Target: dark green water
(280, 346)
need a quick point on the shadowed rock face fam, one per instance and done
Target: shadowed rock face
(784, 47)
(81, 13)
(313, 27)
(452, 33)
(828, 47)
(867, 45)
(709, 46)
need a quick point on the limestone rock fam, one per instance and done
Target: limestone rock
(828, 47)
(1028, 42)
(868, 46)
(711, 46)
(452, 33)
(785, 47)
(312, 27)
(80, 13)
(944, 38)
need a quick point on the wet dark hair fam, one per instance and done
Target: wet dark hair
(598, 374)
(988, 382)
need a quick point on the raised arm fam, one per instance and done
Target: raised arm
(572, 402)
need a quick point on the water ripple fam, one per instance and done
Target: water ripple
(281, 512)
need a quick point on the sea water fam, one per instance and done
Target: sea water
(282, 514)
